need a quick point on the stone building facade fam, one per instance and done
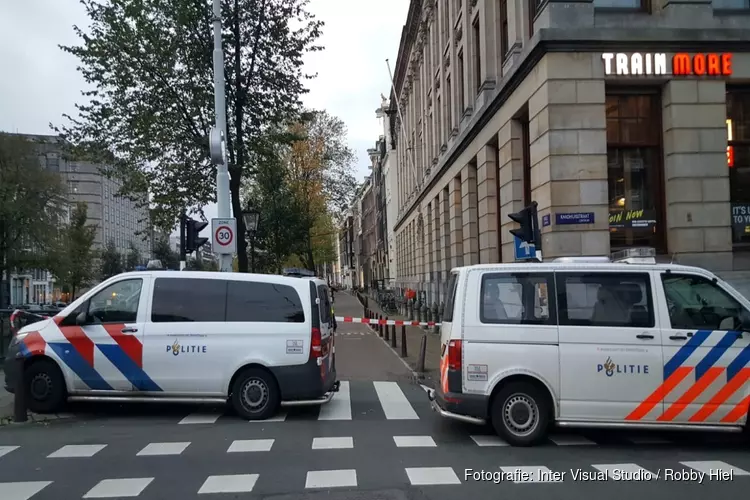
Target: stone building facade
(625, 120)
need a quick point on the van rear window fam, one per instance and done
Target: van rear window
(450, 302)
(325, 304)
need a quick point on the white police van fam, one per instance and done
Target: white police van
(583, 342)
(257, 341)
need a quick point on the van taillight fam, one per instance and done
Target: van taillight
(454, 355)
(316, 344)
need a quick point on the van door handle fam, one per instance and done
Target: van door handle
(644, 336)
(129, 329)
(677, 337)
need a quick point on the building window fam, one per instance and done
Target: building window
(535, 7)
(461, 85)
(738, 161)
(449, 103)
(504, 33)
(477, 55)
(621, 4)
(731, 4)
(634, 170)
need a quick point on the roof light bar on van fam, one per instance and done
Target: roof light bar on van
(637, 255)
(573, 260)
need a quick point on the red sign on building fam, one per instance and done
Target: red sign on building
(702, 64)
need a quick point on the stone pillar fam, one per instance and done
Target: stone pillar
(469, 216)
(699, 225)
(511, 183)
(428, 238)
(445, 202)
(437, 225)
(456, 223)
(487, 204)
(568, 155)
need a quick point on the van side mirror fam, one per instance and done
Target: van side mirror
(82, 318)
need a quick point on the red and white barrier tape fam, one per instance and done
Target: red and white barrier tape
(397, 322)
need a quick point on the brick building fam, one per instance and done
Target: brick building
(578, 106)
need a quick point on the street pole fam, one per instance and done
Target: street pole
(252, 253)
(183, 242)
(222, 170)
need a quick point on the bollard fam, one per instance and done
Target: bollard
(20, 413)
(387, 330)
(403, 341)
(393, 336)
(422, 353)
(380, 325)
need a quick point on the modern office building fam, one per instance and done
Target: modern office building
(627, 121)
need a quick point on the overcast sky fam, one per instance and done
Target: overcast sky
(39, 82)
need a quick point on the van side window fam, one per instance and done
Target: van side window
(118, 303)
(450, 302)
(178, 300)
(325, 305)
(605, 299)
(695, 302)
(516, 298)
(254, 301)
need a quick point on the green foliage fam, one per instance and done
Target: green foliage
(163, 252)
(133, 257)
(72, 263)
(150, 62)
(110, 261)
(31, 207)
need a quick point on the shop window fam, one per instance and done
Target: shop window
(738, 161)
(634, 170)
(731, 4)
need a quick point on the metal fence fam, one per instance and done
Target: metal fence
(23, 319)
(427, 305)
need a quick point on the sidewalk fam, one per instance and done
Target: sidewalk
(413, 340)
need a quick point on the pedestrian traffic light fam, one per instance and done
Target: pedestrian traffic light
(529, 222)
(192, 229)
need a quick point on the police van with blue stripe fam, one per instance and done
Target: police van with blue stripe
(255, 341)
(593, 342)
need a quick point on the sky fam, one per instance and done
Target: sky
(39, 82)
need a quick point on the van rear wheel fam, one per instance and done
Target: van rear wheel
(520, 414)
(255, 395)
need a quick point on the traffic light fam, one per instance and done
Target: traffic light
(529, 230)
(193, 241)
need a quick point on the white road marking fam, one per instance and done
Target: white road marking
(4, 450)
(627, 468)
(331, 478)
(117, 488)
(279, 417)
(713, 466)
(425, 476)
(571, 440)
(77, 451)
(153, 449)
(530, 474)
(22, 490)
(201, 418)
(340, 407)
(488, 440)
(250, 445)
(414, 441)
(236, 483)
(332, 443)
(394, 402)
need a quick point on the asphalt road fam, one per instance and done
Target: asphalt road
(376, 441)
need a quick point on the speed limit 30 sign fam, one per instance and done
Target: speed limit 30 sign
(225, 236)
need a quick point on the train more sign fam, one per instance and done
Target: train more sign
(655, 64)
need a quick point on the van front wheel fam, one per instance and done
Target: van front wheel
(255, 395)
(520, 414)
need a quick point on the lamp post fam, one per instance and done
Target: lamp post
(251, 217)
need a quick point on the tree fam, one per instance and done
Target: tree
(151, 65)
(110, 261)
(31, 208)
(321, 179)
(133, 258)
(163, 252)
(72, 264)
